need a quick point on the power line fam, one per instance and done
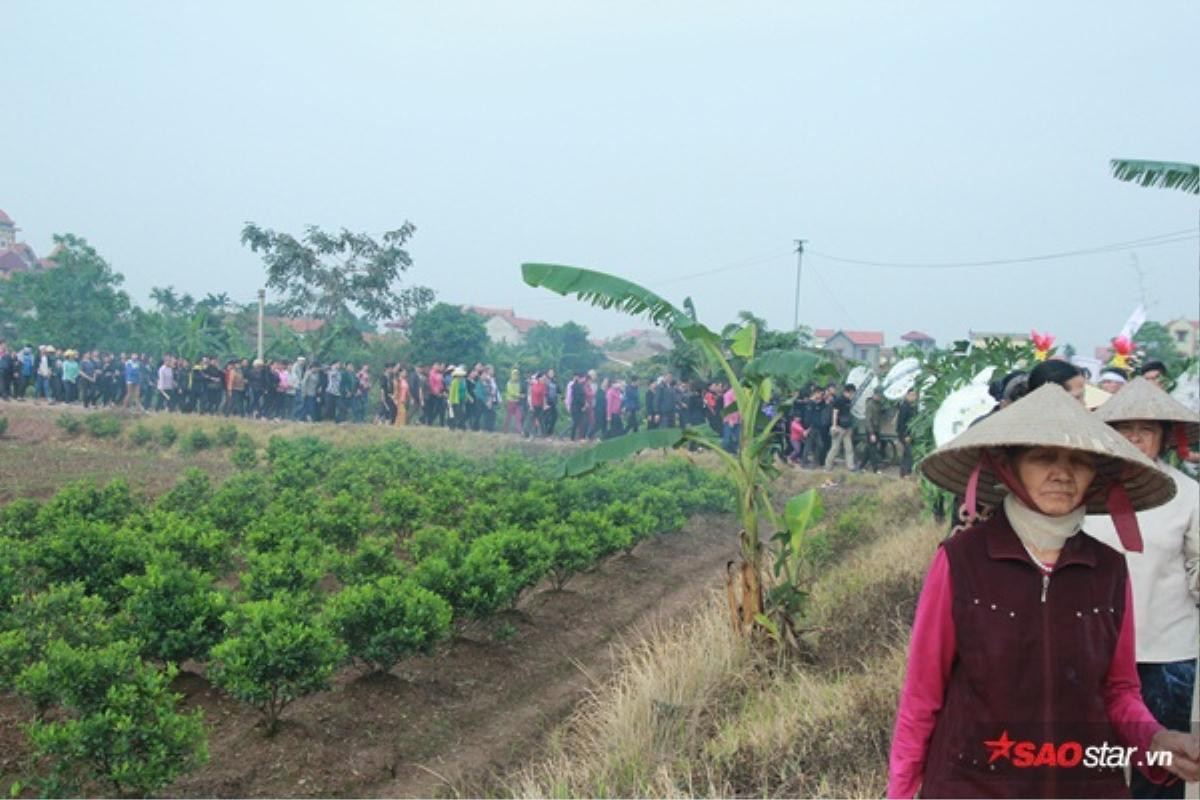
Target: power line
(1173, 237)
(753, 261)
(833, 297)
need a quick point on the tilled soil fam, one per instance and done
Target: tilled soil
(480, 705)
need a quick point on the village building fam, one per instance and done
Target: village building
(18, 256)
(922, 341)
(861, 346)
(503, 325)
(1184, 335)
(636, 345)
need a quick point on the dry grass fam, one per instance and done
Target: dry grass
(694, 712)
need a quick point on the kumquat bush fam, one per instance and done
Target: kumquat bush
(273, 580)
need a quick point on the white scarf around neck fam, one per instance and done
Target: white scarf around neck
(1040, 531)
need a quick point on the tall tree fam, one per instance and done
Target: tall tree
(339, 276)
(565, 347)
(1155, 342)
(76, 303)
(446, 333)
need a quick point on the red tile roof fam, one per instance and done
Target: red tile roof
(861, 338)
(11, 261)
(5, 219)
(522, 324)
(916, 336)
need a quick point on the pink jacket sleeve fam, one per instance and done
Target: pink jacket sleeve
(1127, 712)
(930, 656)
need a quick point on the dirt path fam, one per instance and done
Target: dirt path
(437, 725)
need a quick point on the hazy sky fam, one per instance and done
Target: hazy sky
(656, 141)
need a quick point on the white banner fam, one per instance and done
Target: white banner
(1134, 322)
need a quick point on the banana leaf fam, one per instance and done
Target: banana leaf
(619, 448)
(794, 365)
(604, 291)
(1163, 174)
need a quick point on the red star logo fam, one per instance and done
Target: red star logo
(1001, 748)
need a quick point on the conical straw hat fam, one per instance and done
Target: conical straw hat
(1048, 417)
(1141, 399)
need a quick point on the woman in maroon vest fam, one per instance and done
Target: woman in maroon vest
(1021, 675)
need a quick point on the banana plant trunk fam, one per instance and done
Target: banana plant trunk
(743, 586)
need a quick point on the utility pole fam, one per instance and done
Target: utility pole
(262, 302)
(799, 258)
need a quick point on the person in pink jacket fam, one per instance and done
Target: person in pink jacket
(612, 408)
(1021, 678)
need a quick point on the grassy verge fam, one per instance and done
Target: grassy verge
(693, 711)
(45, 447)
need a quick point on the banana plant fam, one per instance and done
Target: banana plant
(750, 468)
(1165, 174)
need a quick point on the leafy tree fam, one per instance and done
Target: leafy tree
(565, 347)
(446, 333)
(275, 653)
(333, 276)
(767, 338)
(1155, 343)
(77, 303)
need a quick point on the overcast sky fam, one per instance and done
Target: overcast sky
(656, 141)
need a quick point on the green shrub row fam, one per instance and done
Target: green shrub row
(278, 576)
(104, 425)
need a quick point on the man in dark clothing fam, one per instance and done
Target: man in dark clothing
(6, 371)
(810, 419)
(825, 422)
(578, 407)
(667, 400)
(630, 404)
(908, 410)
(652, 404)
(874, 425)
(214, 385)
(842, 429)
(550, 413)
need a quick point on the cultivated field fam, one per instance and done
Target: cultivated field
(593, 660)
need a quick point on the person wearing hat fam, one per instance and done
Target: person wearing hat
(1023, 636)
(70, 376)
(457, 397)
(1166, 574)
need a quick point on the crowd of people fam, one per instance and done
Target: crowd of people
(814, 426)
(535, 404)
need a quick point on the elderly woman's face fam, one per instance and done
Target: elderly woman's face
(1056, 478)
(1144, 434)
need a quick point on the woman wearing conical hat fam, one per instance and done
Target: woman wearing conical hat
(1021, 660)
(1166, 574)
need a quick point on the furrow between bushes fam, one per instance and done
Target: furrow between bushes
(694, 711)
